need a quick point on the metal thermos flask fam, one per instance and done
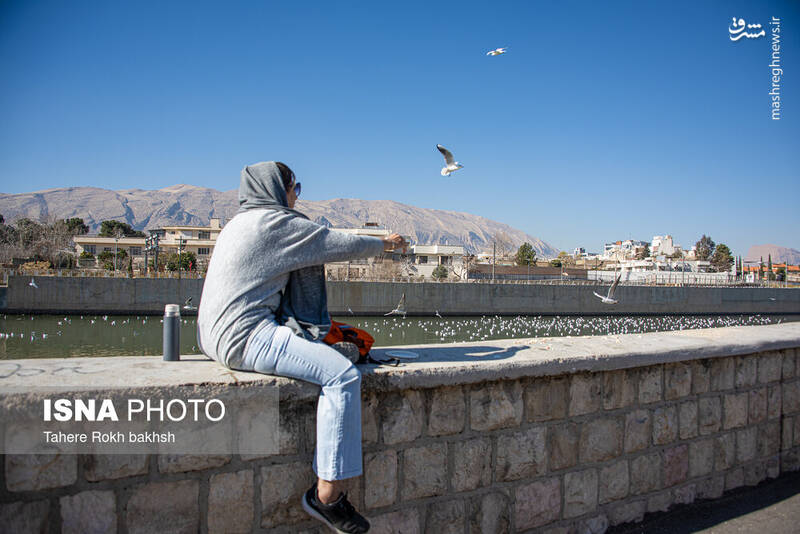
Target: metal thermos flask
(172, 333)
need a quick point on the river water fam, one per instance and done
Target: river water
(59, 336)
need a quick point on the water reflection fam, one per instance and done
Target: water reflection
(59, 336)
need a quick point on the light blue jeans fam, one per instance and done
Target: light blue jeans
(275, 350)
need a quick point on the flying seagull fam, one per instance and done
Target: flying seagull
(452, 164)
(32, 283)
(400, 309)
(496, 52)
(188, 304)
(437, 314)
(350, 311)
(608, 298)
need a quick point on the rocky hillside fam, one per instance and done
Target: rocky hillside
(779, 254)
(191, 205)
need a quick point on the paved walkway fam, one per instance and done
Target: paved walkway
(772, 507)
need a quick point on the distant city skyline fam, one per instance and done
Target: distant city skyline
(600, 122)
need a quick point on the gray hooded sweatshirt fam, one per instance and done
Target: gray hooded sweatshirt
(253, 257)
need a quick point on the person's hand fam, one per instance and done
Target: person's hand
(393, 242)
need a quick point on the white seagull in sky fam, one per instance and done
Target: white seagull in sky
(32, 283)
(188, 305)
(608, 298)
(400, 309)
(452, 164)
(496, 51)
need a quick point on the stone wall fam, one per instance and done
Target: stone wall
(548, 435)
(149, 296)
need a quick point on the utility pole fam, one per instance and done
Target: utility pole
(181, 243)
(151, 245)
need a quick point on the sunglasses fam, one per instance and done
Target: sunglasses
(297, 188)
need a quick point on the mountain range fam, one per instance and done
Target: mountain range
(779, 254)
(187, 205)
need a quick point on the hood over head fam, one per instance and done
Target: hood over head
(261, 187)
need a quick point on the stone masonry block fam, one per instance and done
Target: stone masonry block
(791, 397)
(472, 464)
(773, 466)
(521, 455)
(538, 503)
(769, 439)
(734, 479)
(25, 517)
(774, 397)
(676, 465)
(746, 444)
(769, 366)
(146, 512)
(490, 513)
(619, 389)
(495, 405)
(98, 467)
(380, 483)
(735, 409)
(722, 371)
(665, 425)
(797, 362)
(645, 473)
(230, 502)
(26, 472)
(282, 487)
(755, 472)
(89, 511)
(424, 471)
(746, 371)
(402, 416)
(677, 380)
(638, 427)
(628, 512)
(724, 451)
(701, 458)
(446, 517)
(547, 399)
(685, 494)
(711, 488)
(790, 461)
(448, 411)
(709, 415)
(369, 418)
(797, 430)
(687, 419)
(787, 432)
(584, 393)
(405, 521)
(614, 482)
(701, 376)
(788, 363)
(178, 463)
(563, 446)
(593, 525)
(650, 388)
(601, 439)
(659, 502)
(757, 406)
(580, 492)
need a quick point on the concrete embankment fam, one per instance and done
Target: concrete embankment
(148, 296)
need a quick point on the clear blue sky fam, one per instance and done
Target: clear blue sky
(604, 121)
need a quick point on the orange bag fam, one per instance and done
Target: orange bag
(345, 332)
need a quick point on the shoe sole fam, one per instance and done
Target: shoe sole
(319, 517)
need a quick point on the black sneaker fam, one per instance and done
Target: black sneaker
(339, 515)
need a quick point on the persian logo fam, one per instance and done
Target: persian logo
(737, 30)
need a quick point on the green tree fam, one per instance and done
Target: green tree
(644, 252)
(770, 274)
(526, 255)
(76, 226)
(761, 268)
(704, 248)
(722, 259)
(676, 255)
(780, 276)
(86, 255)
(188, 261)
(109, 229)
(439, 273)
(555, 263)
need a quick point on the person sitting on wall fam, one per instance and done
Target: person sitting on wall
(264, 308)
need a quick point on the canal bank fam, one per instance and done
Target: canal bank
(148, 296)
